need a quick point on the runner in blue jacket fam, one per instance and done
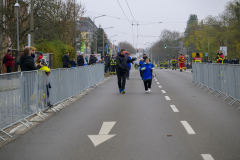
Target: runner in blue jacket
(147, 74)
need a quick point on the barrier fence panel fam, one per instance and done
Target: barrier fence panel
(198, 72)
(10, 110)
(232, 81)
(205, 75)
(216, 77)
(237, 77)
(42, 96)
(210, 76)
(29, 92)
(23, 94)
(194, 72)
(224, 78)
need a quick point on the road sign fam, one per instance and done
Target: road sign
(224, 50)
(103, 134)
(194, 54)
(206, 54)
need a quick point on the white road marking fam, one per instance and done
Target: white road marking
(174, 108)
(106, 127)
(163, 91)
(207, 157)
(158, 83)
(167, 98)
(98, 139)
(160, 86)
(103, 134)
(188, 127)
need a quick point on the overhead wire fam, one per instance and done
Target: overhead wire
(124, 12)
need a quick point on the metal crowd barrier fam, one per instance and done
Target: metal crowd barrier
(220, 78)
(23, 94)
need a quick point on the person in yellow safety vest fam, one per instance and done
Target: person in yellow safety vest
(161, 64)
(220, 57)
(48, 85)
(174, 63)
(113, 64)
(155, 66)
(182, 61)
(166, 64)
(197, 58)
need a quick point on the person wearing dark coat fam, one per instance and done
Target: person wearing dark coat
(9, 61)
(122, 69)
(80, 60)
(107, 62)
(92, 59)
(73, 63)
(66, 60)
(26, 62)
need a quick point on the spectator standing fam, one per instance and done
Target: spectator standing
(73, 63)
(107, 63)
(9, 61)
(32, 50)
(39, 59)
(65, 60)
(92, 59)
(230, 61)
(235, 60)
(80, 60)
(26, 62)
(48, 85)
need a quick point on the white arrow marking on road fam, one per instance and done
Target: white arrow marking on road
(158, 83)
(103, 134)
(160, 86)
(207, 157)
(163, 91)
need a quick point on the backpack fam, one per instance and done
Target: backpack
(4, 60)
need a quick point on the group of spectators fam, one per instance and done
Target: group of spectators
(80, 60)
(26, 61)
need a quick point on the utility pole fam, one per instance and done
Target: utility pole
(103, 43)
(74, 25)
(32, 25)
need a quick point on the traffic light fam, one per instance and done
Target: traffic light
(165, 46)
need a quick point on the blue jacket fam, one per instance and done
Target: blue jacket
(147, 70)
(140, 64)
(129, 64)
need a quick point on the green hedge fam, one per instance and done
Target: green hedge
(57, 48)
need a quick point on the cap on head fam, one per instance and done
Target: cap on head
(198, 54)
(9, 50)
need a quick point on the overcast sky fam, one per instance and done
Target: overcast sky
(173, 13)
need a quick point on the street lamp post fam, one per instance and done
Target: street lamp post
(17, 5)
(103, 38)
(94, 31)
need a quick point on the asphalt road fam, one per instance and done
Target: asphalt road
(176, 121)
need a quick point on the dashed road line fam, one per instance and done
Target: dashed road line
(160, 86)
(158, 83)
(174, 108)
(167, 98)
(207, 156)
(163, 91)
(188, 127)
